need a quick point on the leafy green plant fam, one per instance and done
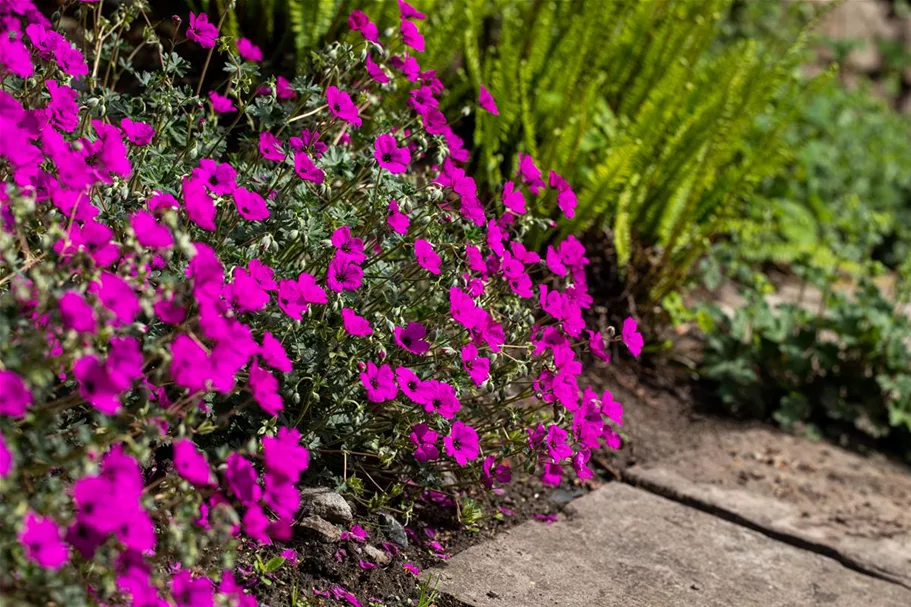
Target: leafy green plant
(843, 365)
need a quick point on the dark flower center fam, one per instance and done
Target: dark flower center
(387, 157)
(337, 107)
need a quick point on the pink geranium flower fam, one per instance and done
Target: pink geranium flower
(427, 257)
(341, 106)
(250, 205)
(462, 443)
(40, 537)
(6, 458)
(273, 353)
(486, 101)
(221, 104)
(14, 56)
(513, 199)
(348, 245)
(199, 206)
(379, 383)
(201, 31)
(397, 220)
(359, 22)
(138, 133)
(77, 314)
(411, 36)
(306, 169)
(15, 397)
(191, 464)
(477, 367)
(249, 51)
(424, 440)
(566, 198)
(391, 157)
(409, 12)
(270, 147)
(354, 324)
(411, 338)
(344, 274)
(632, 337)
(376, 72)
(283, 89)
(530, 173)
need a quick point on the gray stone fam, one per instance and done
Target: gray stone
(393, 529)
(624, 547)
(380, 557)
(319, 528)
(866, 23)
(319, 501)
(886, 556)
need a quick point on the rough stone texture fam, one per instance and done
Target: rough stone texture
(865, 22)
(625, 547)
(380, 557)
(886, 556)
(320, 528)
(326, 504)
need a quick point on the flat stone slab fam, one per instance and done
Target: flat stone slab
(889, 557)
(625, 547)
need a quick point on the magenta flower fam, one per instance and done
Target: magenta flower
(501, 473)
(273, 353)
(192, 592)
(15, 396)
(391, 157)
(191, 464)
(14, 56)
(422, 100)
(201, 31)
(552, 475)
(249, 51)
(348, 245)
(379, 383)
(486, 101)
(356, 533)
(77, 314)
(427, 257)
(295, 297)
(221, 104)
(424, 440)
(162, 201)
(439, 397)
(306, 169)
(118, 296)
(462, 443)
(411, 338)
(397, 220)
(270, 147)
(138, 133)
(341, 106)
(410, 384)
(513, 199)
(250, 205)
(242, 479)
(6, 458)
(477, 367)
(376, 72)
(411, 568)
(611, 408)
(359, 22)
(354, 324)
(411, 36)
(580, 464)
(62, 109)
(344, 274)
(42, 542)
(530, 173)
(596, 345)
(283, 89)
(285, 457)
(149, 233)
(409, 12)
(566, 198)
(190, 365)
(632, 337)
(256, 524)
(199, 206)
(264, 387)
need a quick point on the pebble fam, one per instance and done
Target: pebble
(321, 502)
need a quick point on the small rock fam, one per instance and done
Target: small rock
(449, 479)
(322, 529)
(562, 496)
(380, 557)
(394, 530)
(321, 502)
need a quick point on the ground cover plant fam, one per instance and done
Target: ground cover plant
(211, 294)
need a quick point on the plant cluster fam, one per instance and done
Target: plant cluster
(843, 366)
(208, 296)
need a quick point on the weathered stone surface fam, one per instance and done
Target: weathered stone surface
(866, 23)
(380, 557)
(624, 547)
(322, 502)
(887, 556)
(320, 528)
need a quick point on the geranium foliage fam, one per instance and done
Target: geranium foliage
(214, 285)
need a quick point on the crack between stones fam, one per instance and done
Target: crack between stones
(780, 536)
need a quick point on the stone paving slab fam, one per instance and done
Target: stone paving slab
(889, 557)
(625, 547)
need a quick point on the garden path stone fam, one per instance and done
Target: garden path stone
(620, 546)
(889, 557)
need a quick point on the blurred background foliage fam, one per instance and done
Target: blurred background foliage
(718, 144)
